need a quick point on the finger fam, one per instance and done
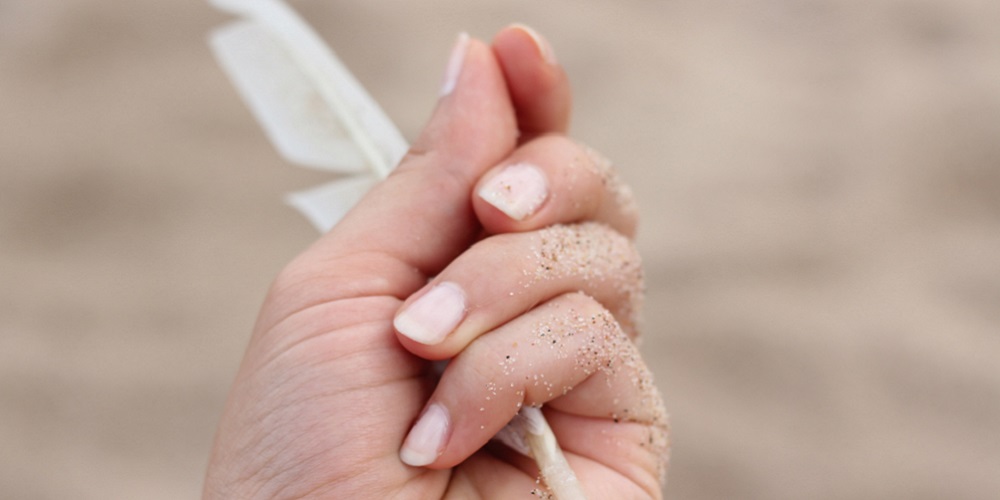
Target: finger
(569, 354)
(418, 215)
(471, 297)
(417, 220)
(553, 180)
(538, 84)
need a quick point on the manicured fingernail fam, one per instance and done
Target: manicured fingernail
(544, 48)
(434, 315)
(454, 68)
(518, 190)
(427, 437)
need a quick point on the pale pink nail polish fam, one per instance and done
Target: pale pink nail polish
(518, 190)
(426, 439)
(454, 69)
(434, 315)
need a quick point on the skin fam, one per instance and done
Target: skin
(328, 390)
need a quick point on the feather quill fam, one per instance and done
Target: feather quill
(319, 116)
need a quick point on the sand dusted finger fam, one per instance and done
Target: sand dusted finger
(472, 296)
(568, 354)
(553, 180)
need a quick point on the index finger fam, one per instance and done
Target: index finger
(538, 85)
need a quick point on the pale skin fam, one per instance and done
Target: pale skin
(329, 389)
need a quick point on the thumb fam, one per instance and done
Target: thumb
(420, 218)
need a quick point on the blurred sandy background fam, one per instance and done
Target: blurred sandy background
(820, 185)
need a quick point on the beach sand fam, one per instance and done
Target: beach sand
(819, 184)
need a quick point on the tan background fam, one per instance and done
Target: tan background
(820, 185)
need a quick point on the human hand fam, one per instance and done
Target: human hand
(533, 299)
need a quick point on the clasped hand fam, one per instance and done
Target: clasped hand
(498, 244)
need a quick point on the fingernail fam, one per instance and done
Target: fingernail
(434, 315)
(426, 439)
(544, 48)
(454, 68)
(518, 190)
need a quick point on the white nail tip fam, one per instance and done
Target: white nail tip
(426, 439)
(518, 190)
(433, 316)
(454, 69)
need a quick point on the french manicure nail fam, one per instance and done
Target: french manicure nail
(518, 190)
(455, 61)
(543, 45)
(434, 315)
(427, 437)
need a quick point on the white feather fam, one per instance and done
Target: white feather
(317, 115)
(280, 94)
(312, 108)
